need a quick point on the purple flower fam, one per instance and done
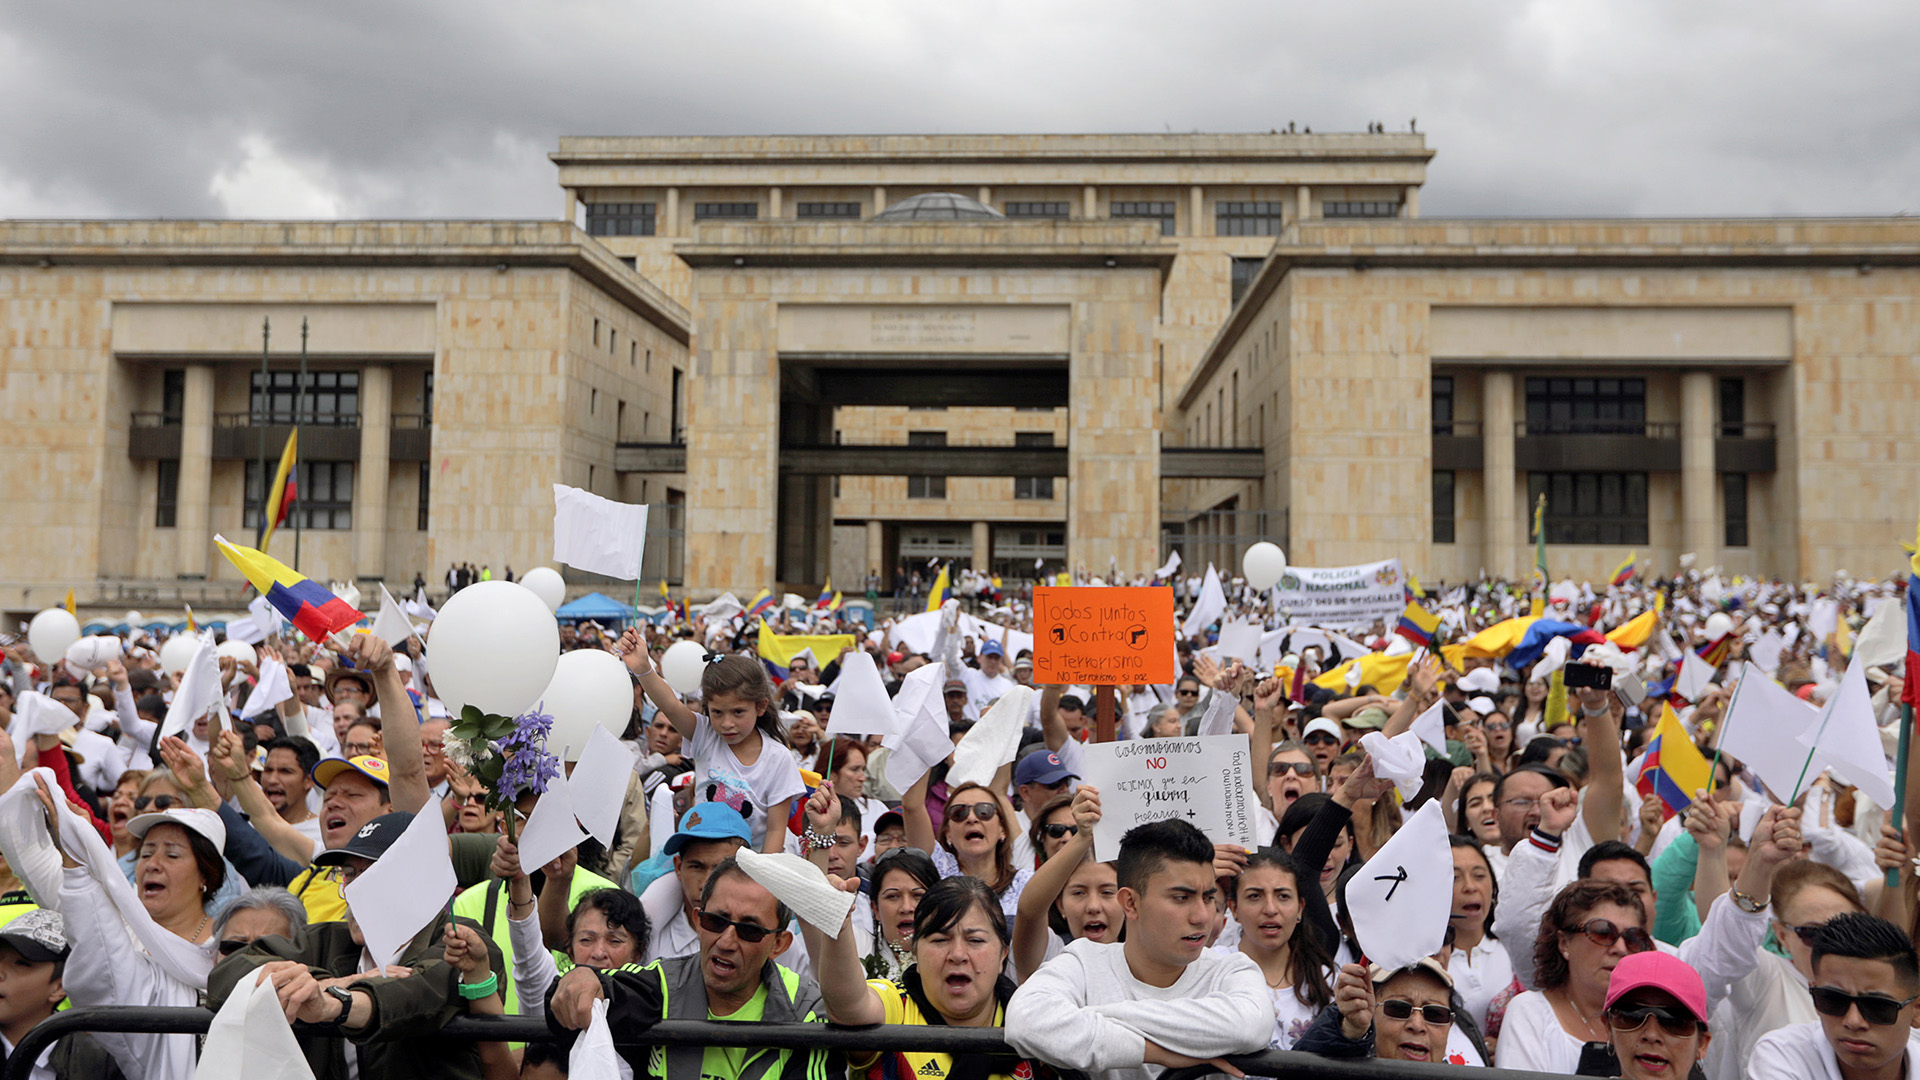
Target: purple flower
(528, 764)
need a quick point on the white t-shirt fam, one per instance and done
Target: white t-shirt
(773, 778)
(1479, 975)
(1531, 1038)
(1290, 1018)
(1802, 1052)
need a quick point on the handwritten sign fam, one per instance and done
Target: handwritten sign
(1207, 782)
(1103, 637)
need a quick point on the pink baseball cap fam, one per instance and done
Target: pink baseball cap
(1662, 972)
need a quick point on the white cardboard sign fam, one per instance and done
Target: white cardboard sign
(1207, 782)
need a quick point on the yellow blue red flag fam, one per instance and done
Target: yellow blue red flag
(309, 606)
(1673, 767)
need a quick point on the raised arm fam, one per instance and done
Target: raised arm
(1605, 792)
(913, 813)
(633, 651)
(1052, 728)
(266, 821)
(837, 967)
(1030, 928)
(400, 725)
(1423, 680)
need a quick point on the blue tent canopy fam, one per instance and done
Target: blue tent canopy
(596, 606)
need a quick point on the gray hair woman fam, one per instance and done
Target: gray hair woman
(262, 911)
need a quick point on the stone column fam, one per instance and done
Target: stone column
(879, 199)
(1697, 485)
(876, 547)
(370, 474)
(1197, 208)
(1303, 203)
(1090, 203)
(986, 195)
(1497, 471)
(982, 545)
(571, 211)
(773, 203)
(669, 225)
(1412, 208)
(1113, 441)
(193, 507)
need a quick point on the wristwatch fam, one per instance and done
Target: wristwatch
(345, 998)
(1746, 903)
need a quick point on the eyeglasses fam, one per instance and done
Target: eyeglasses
(232, 945)
(1498, 725)
(1633, 1018)
(1282, 768)
(1437, 1015)
(1876, 1009)
(1603, 933)
(981, 811)
(1520, 805)
(158, 802)
(1055, 830)
(751, 933)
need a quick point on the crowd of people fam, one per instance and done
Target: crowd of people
(1594, 928)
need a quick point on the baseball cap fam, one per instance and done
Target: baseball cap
(1041, 767)
(1323, 726)
(39, 936)
(205, 822)
(1482, 704)
(1656, 969)
(891, 817)
(992, 648)
(954, 684)
(326, 770)
(1371, 717)
(371, 842)
(708, 821)
(1428, 964)
(1479, 680)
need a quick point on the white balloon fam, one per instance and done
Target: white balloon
(1719, 625)
(546, 583)
(1263, 565)
(589, 687)
(239, 650)
(131, 618)
(92, 652)
(493, 646)
(178, 652)
(52, 633)
(682, 665)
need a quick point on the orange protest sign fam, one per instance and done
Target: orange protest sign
(1103, 637)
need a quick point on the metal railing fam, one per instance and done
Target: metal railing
(879, 1038)
(285, 418)
(1635, 428)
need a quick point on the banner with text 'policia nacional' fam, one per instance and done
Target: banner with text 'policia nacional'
(1343, 597)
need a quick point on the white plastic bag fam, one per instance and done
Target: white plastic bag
(593, 1056)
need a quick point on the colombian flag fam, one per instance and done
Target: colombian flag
(1624, 572)
(1910, 693)
(1715, 652)
(825, 602)
(1635, 631)
(938, 594)
(778, 650)
(308, 605)
(762, 603)
(280, 495)
(1673, 767)
(1417, 625)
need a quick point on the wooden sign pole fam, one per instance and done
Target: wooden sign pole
(1103, 714)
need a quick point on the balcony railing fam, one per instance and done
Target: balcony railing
(288, 418)
(240, 436)
(1639, 429)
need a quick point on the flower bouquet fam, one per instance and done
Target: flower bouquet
(508, 755)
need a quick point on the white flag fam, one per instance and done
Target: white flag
(265, 615)
(271, 689)
(920, 738)
(860, 702)
(1402, 897)
(1762, 730)
(1172, 564)
(199, 688)
(1208, 606)
(1694, 678)
(598, 535)
(404, 890)
(391, 625)
(1848, 739)
(250, 1038)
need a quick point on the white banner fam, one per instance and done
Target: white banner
(1207, 782)
(1343, 597)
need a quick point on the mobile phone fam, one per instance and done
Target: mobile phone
(1631, 690)
(1588, 677)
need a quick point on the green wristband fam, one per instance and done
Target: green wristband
(476, 991)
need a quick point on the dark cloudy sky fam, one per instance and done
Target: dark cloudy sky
(433, 108)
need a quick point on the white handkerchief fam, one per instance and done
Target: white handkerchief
(593, 1056)
(1401, 759)
(1431, 727)
(860, 702)
(406, 889)
(1402, 897)
(801, 886)
(1240, 641)
(34, 713)
(992, 742)
(270, 690)
(250, 1038)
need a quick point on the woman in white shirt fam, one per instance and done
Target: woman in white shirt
(1478, 962)
(1588, 928)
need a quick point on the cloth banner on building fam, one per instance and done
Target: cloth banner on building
(1205, 781)
(1343, 597)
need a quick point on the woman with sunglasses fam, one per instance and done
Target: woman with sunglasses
(973, 839)
(1557, 1027)
(1656, 1017)
(1052, 828)
(1395, 1014)
(1070, 896)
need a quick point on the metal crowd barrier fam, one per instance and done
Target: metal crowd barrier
(876, 1038)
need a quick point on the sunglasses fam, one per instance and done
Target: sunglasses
(1055, 830)
(1633, 1018)
(981, 811)
(1282, 768)
(158, 802)
(473, 797)
(1186, 693)
(1498, 725)
(1437, 1015)
(751, 933)
(1603, 933)
(1876, 1009)
(1319, 737)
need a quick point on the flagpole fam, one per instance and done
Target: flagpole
(1900, 780)
(266, 404)
(299, 399)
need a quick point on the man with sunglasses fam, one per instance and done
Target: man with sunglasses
(1866, 980)
(1394, 1014)
(710, 834)
(742, 927)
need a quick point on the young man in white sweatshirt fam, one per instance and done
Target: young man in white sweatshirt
(1126, 1010)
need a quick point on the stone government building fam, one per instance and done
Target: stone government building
(820, 355)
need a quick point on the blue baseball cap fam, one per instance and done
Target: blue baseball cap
(992, 648)
(708, 821)
(1041, 767)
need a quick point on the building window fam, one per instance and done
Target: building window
(1033, 487)
(173, 397)
(1734, 486)
(620, 219)
(741, 211)
(1051, 210)
(1360, 209)
(1443, 506)
(323, 495)
(1591, 508)
(1443, 405)
(1247, 218)
(166, 497)
(331, 398)
(926, 487)
(1161, 212)
(1586, 406)
(426, 399)
(1244, 271)
(426, 484)
(1733, 407)
(839, 210)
